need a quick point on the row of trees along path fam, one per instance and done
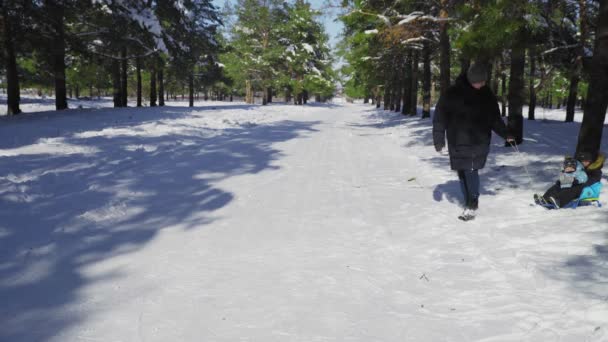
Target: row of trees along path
(164, 47)
(93, 44)
(539, 52)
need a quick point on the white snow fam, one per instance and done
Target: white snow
(308, 48)
(235, 222)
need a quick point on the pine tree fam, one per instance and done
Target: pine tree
(590, 135)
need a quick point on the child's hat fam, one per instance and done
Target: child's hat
(569, 162)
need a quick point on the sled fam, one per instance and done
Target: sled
(590, 196)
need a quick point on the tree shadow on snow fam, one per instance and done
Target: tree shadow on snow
(109, 193)
(545, 144)
(79, 120)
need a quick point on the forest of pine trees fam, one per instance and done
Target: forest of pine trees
(150, 51)
(147, 50)
(550, 53)
(398, 54)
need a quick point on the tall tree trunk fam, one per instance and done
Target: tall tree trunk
(248, 92)
(414, 91)
(153, 84)
(123, 77)
(12, 75)
(490, 73)
(590, 134)
(532, 104)
(398, 85)
(191, 89)
(161, 83)
(387, 96)
(503, 92)
(496, 77)
(407, 85)
(393, 81)
(464, 65)
(426, 81)
(269, 93)
(444, 48)
(138, 72)
(578, 65)
(56, 13)
(572, 94)
(264, 96)
(515, 121)
(116, 93)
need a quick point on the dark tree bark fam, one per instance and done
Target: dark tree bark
(590, 134)
(395, 101)
(426, 81)
(269, 92)
(191, 89)
(444, 48)
(515, 122)
(116, 91)
(532, 104)
(123, 77)
(578, 65)
(407, 85)
(153, 85)
(490, 73)
(496, 78)
(572, 94)
(161, 84)
(503, 102)
(138, 73)
(464, 65)
(12, 75)
(414, 89)
(387, 96)
(398, 88)
(56, 13)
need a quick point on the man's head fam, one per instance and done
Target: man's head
(477, 75)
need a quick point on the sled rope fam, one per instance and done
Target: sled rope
(523, 160)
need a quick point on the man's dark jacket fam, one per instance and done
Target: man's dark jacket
(468, 116)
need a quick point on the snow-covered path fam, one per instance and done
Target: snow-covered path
(318, 223)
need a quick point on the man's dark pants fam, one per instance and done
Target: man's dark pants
(469, 184)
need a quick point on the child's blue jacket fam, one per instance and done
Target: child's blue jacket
(566, 179)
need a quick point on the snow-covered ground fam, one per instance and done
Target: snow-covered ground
(232, 222)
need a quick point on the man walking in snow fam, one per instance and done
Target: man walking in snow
(468, 112)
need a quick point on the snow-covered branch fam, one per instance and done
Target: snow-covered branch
(559, 48)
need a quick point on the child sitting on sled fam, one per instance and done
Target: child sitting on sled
(577, 173)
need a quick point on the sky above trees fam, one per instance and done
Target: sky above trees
(329, 18)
